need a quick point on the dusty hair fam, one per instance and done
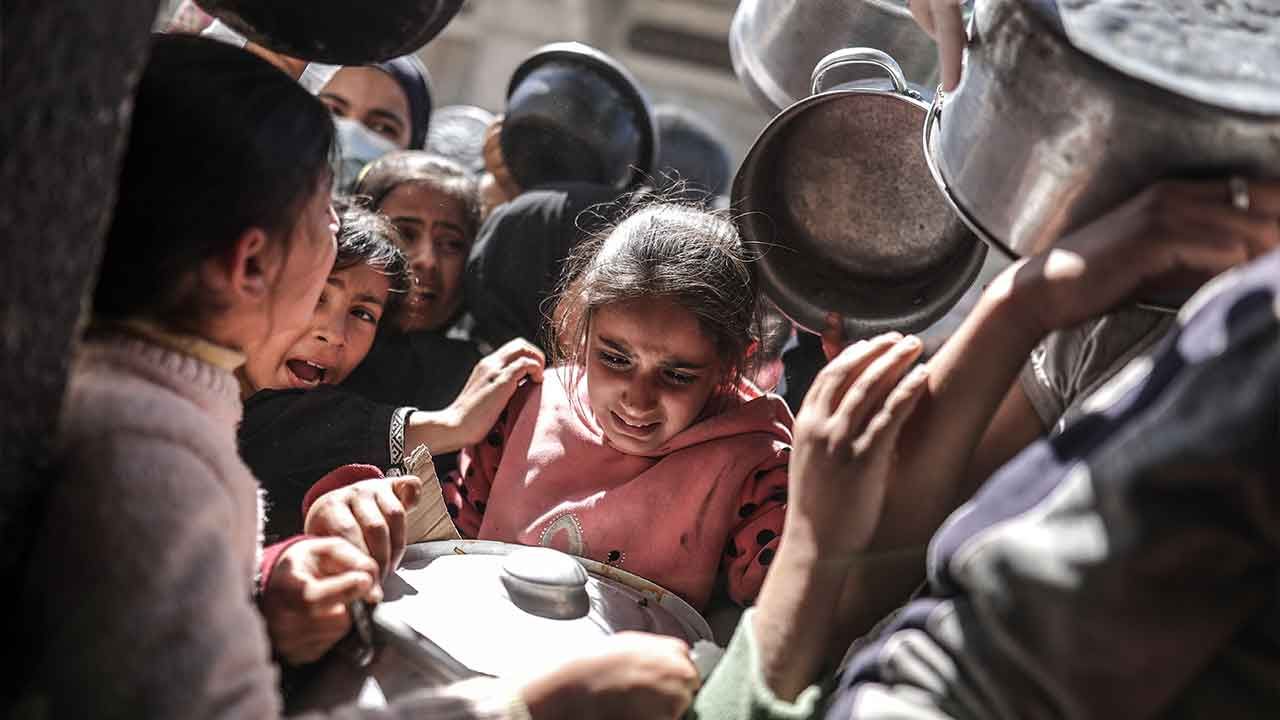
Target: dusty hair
(417, 167)
(663, 250)
(368, 238)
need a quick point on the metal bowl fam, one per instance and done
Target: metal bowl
(340, 32)
(576, 114)
(837, 197)
(457, 132)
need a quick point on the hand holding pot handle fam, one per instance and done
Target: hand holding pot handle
(944, 21)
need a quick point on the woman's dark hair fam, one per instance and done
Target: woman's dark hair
(671, 250)
(368, 238)
(439, 173)
(221, 142)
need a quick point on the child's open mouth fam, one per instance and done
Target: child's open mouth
(638, 431)
(307, 373)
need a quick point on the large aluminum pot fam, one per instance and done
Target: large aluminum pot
(836, 196)
(1040, 138)
(341, 32)
(774, 44)
(461, 608)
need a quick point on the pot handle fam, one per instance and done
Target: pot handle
(859, 56)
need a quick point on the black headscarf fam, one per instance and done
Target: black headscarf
(411, 74)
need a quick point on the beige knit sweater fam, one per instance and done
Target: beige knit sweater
(140, 585)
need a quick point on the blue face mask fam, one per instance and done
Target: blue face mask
(357, 146)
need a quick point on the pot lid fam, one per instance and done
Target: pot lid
(837, 197)
(617, 76)
(336, 31)
(1223, 54)
(485, 603)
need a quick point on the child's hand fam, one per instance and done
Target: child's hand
(635, 675)
(370, 515)
(489, 388)
(1171, 235)
(845, 437)
(305, 604)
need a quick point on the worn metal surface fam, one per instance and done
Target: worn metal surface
(1039, 138)
(837, 197)
(467, 613)
(774, 44)
(1220, 52)
(575, 113)
(342, 32)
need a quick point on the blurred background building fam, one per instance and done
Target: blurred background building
(677, 49)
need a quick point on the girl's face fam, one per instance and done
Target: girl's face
(650, 371)
(433, 237)
(342, 330)
(372, 98)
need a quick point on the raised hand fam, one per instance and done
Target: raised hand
(370, 515)
(846, 434)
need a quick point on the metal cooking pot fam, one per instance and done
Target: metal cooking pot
(575, 113)
(457, 132)
(774, 44)
(836, 196)
(340, 32)
(1040, 138)
(456, 608)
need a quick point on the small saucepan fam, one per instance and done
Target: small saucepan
(836, 196)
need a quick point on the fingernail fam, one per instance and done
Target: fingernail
(911, 342)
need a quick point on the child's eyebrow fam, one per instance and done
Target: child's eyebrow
(337, 281)
(447, 226)
(371, 298)
(406, 220)
(670, 364)
(614, 344)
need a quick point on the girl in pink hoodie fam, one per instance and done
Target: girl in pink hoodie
(645, 448)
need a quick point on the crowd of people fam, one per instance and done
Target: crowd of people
(1067, 511)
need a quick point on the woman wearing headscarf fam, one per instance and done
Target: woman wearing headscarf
(377, 109)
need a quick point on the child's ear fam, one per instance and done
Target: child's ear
(248, 266)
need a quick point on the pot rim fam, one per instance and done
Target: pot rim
(772, 283)
(931, 143)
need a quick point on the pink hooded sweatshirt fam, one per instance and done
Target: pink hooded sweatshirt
(713, 497)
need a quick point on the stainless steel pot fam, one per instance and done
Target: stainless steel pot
(1040, 138)
(342, 32)
(457, 608)
(836, 196)
(774, 44)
